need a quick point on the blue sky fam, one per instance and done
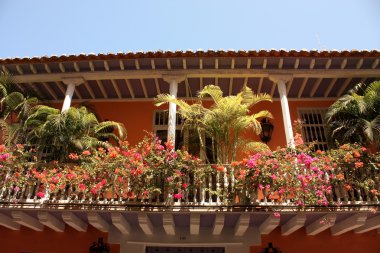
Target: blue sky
(47, 27)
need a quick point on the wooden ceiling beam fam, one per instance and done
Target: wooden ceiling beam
(315, 87)
(37, 91)
(371, 224)
(216, 63)
(295, 223)
(218, 224)
(303, 85)
(60, 88)
(195, 220)
(51, 221)
(249, 63)
(106, 66)
(289, 86)
(121, 64)
(328, 64)
(152, 64)
(280, 63)
(33, 69)
(352, 222)
(76, 67)
(230, 86)
(272, 90)
(137, 64)
(121, 223)
(265, 63)
(145, 224)
(232, 63)
(269, 224)
(359, 64)
(116, 88)
(260, 85)
(184, 63)
(102, 89)
(5, 69)
(47, 68)
(91, 65)
(168, 64)
(158, 90)
(8, 222)
(320, 225)
(61, 67)
(50, 90)
(143, 86)
(375, 64)
(343, 64)
(200, 63)
(344, 86)
(98, 222)
(330, 86)
(297, 63)
(74, 221)
(26, 220)
(19, 69)
(187, 86)
(197, 73)
(242, 224)
(89, 89)
(312, 64)
(130, 88)
(168, 223)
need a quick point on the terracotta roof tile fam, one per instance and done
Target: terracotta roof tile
(193, 53)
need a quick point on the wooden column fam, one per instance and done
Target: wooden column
(71, 83)
(173, 80)
(281, 80)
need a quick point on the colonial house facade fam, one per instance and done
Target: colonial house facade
(121, 87)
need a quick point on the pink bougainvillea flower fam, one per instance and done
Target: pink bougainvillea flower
(277, 214)
(178, 196)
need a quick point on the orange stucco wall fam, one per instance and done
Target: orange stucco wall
(300, 242)
(49, 241)
(138, 116)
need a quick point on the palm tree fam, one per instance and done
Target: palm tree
(15, 108)
(224, 122)
(73, 130)
(355, 117)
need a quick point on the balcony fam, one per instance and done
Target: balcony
(156, 178)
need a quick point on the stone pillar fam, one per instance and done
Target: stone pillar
(71, 83)
(281, 80)
(173, 80)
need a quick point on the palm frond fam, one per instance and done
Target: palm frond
(213, 91)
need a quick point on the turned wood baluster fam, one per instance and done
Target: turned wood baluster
(217, 186)
(4, 188)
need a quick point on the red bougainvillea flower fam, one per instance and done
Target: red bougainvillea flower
(86, 153)
(40, 194)
(356, 154)
(73, 156)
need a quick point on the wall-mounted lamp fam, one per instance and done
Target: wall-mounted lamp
(266, 130)
(270, 249)
(99, 247)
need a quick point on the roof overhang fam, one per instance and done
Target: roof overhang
(315, 75)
